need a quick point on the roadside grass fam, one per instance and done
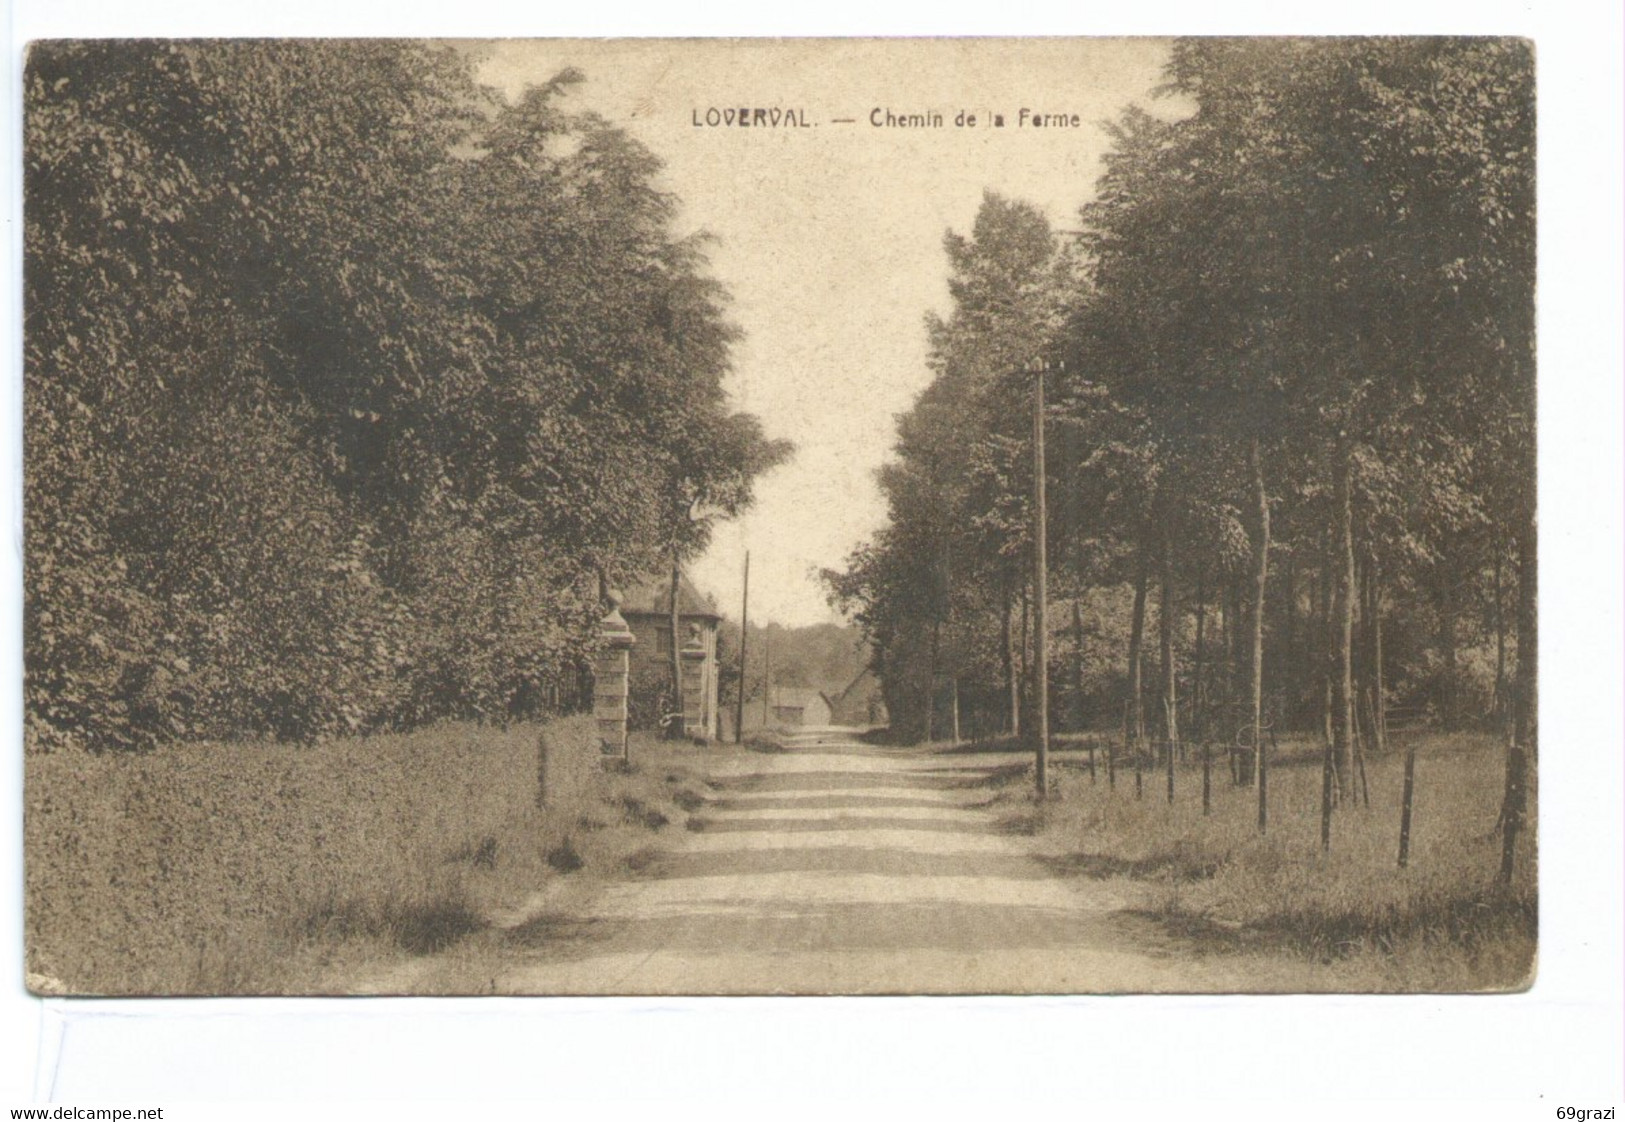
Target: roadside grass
(640, 806)
(1004, 742)
(1442, 923)
(266, 868)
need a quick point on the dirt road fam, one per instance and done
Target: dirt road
(835, 867)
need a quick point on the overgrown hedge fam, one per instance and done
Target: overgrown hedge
(195, 868)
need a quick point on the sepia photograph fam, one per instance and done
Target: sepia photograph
(780, 516)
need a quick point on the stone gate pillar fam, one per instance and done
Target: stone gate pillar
(695, 717)
(610, 673)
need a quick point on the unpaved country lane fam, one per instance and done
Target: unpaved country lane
(839, 868)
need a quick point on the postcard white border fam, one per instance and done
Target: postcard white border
(1563, 1040)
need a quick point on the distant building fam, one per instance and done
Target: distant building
(647, 611)
(861, 703)
(786, 707)
(792, 706)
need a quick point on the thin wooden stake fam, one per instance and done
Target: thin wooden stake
(1405, 802)
(1207, 779)
(1263, 789)
(1515, 803)
(744, 636)
(1326, 800)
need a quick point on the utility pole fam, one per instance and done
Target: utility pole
(1040, 584)
(744, 636)
(674, 730)
(767, 678)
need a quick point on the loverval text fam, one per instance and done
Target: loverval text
(881, 117)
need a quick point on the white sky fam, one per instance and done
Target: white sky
(830, 238)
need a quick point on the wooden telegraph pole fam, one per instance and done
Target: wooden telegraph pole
(1040, 585)
(674, 731)
(744, 636)
(767, 679)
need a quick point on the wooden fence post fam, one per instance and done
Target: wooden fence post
(1207, 778)
(1516, 804)
(1405, 802)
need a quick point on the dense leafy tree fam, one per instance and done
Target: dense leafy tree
(346, 385)
(951, 569)
(1299, 384)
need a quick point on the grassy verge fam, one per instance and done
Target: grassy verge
(1442, 923)
(252, 868)
(637, 813)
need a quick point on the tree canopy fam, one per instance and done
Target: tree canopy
(347, 383)
(1297, 335)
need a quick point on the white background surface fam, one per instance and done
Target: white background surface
(1559, 1045)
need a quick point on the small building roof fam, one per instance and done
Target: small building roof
(652, 597)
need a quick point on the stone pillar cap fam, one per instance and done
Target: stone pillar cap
(613, 627)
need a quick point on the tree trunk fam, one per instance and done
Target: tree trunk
(1288, 593)
(1528, 722)
(1232, 646)
(1361, 660)
(1024, 689)
(1079, 715)
(1165, 642)
(1525, 739)
(1326, 651)
(1446, 602)
(1343, 731)
(1008, 655)
(675, 730)
(1306, 682)
(931, 682)
(1136, 716)
(1379, 698)
(1261, 551)
(1498, 696)
(1198, 697)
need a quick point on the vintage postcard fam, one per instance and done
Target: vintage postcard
(809, 516)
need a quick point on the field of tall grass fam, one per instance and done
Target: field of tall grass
(1443, 923)
(271, 868)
